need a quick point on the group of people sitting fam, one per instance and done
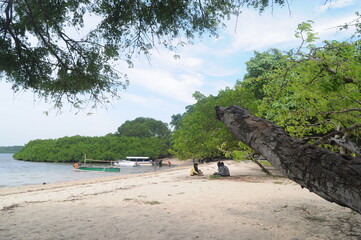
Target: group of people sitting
(223, 170)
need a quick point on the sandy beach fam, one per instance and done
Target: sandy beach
(170, 204)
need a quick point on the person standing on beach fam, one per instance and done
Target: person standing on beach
(195, 171)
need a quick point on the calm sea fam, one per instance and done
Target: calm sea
(19, 173)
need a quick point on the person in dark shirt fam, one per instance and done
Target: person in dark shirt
(223, 170)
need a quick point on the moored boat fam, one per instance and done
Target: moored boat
(134, 162)
(98, 168)
(83, 167)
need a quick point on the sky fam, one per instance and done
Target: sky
(164, 86)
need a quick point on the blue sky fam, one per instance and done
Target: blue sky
(164, 86)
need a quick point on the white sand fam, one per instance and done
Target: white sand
(173, 205)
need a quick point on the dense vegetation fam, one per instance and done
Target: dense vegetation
(10, 149)
(110, 147)
(314, 93)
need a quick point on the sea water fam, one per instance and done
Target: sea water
(19, 173)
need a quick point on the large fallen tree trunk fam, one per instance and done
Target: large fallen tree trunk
(335, 177)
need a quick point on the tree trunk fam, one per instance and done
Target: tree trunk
(335, 177)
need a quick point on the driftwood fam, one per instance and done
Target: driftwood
(334, 177)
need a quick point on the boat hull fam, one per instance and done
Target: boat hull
(98, 169)
(125, 163)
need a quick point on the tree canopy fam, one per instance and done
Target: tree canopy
(40, 52)
(144, 127)
(199, 134)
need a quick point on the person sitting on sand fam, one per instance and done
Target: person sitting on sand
(195, 171)
(223, 170)
(76, 165)
(219, 164)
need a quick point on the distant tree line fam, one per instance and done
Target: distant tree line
(10, 149)
(151, 140)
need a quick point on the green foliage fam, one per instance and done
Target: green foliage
(38, 52)
(72, 149)
(319, 94)
(309, 92)
(147, 128)
(144, 127)
(259, 68)
(200, 134)
(305, 32)
(243, 152)
(176, 120)
(10, 149)
(214, 177)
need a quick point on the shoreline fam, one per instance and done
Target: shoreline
(170, 204)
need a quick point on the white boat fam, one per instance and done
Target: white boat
(134, 162)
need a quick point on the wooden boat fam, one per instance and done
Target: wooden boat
(84, 167)
(134, 162)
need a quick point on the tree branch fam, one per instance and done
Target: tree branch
(347, 144)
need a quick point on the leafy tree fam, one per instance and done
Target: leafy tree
(176, 120)
(258, 68)
(144, 127)
(199, 134)
(313, 92)
(38, 52)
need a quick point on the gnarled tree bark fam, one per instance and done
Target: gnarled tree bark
(334, 177)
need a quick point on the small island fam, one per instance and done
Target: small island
(10, 149)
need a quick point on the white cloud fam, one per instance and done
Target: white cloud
(23, 119)
(255, 32)
(334, 4)
(176, 86)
